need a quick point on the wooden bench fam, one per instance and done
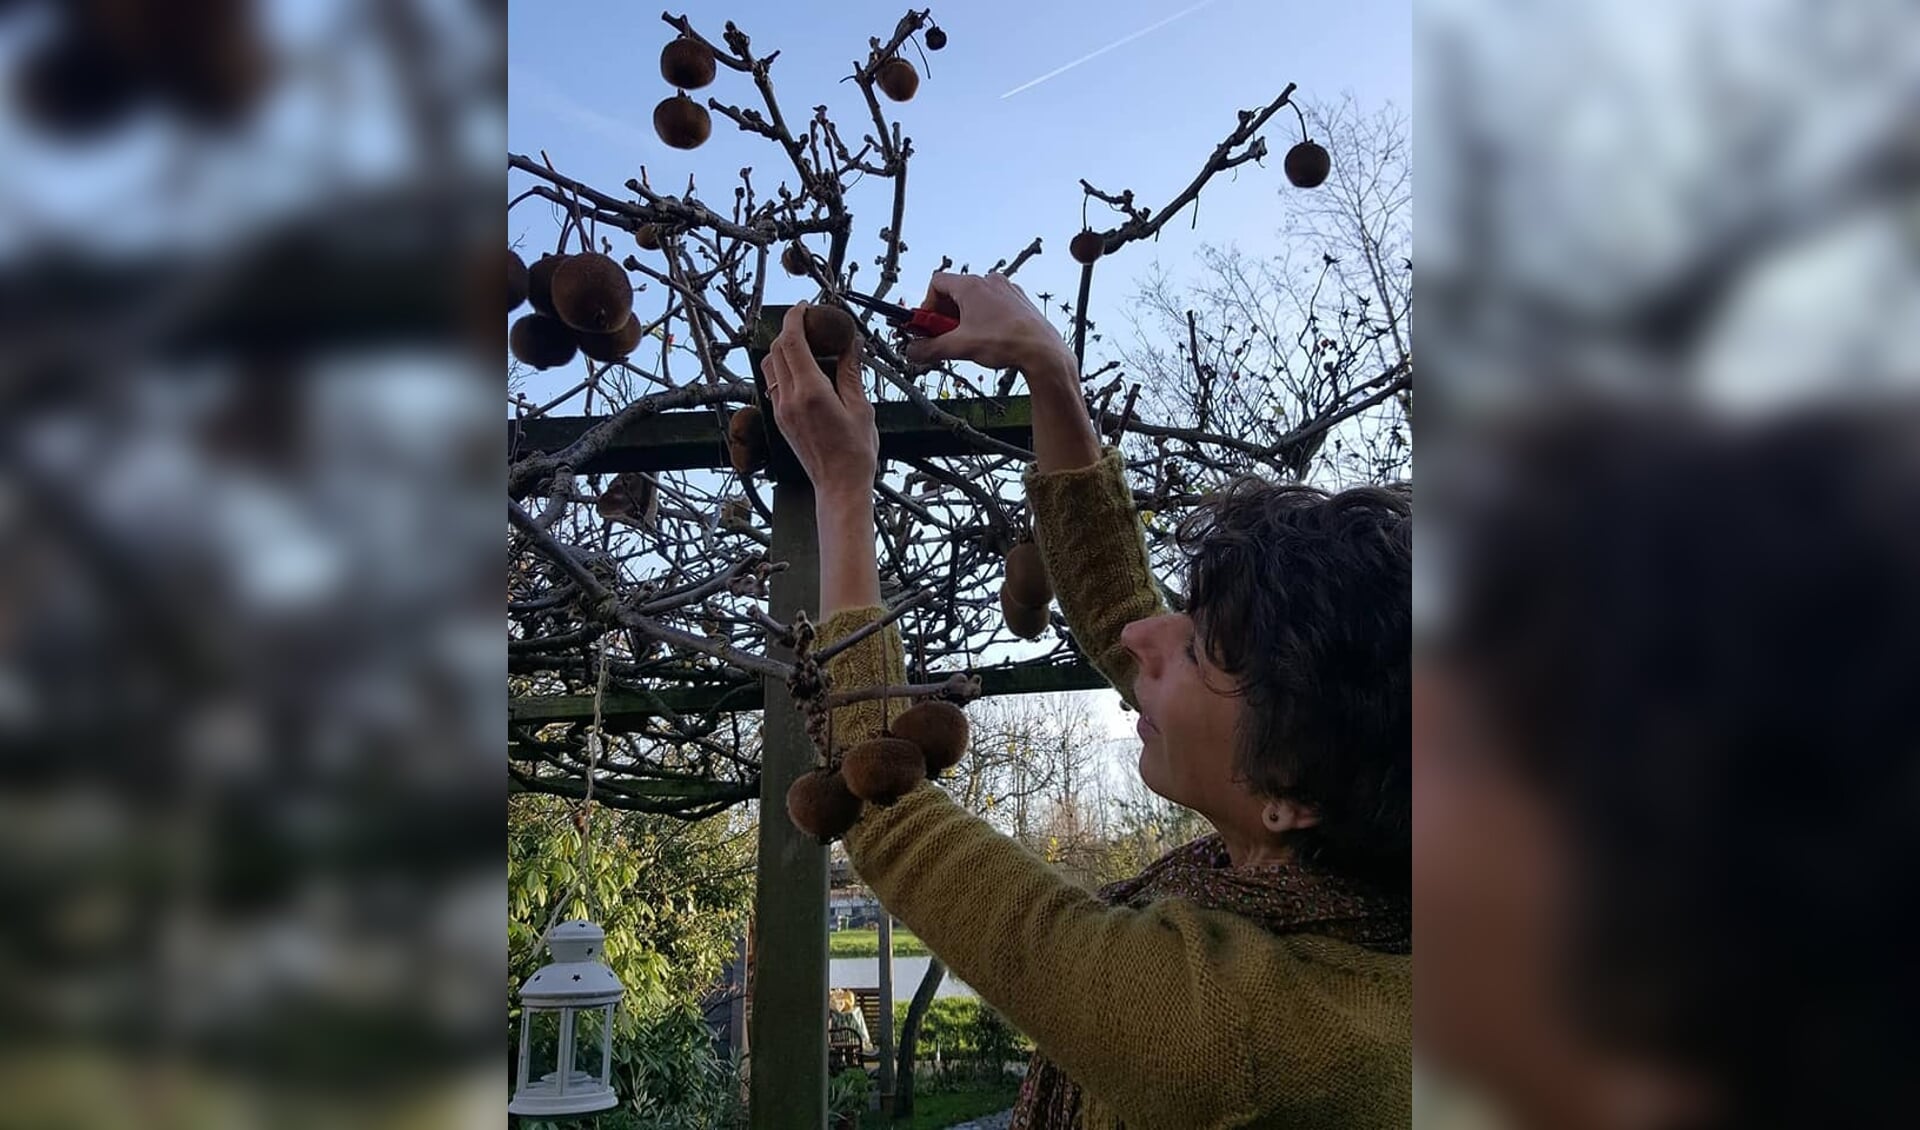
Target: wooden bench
(869, 1000)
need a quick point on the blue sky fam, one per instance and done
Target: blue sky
(989, 172)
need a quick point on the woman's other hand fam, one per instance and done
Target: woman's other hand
(828, 423)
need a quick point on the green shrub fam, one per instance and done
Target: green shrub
(847, 1092)
(965, 1029)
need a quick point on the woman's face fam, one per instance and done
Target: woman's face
(1189, 718)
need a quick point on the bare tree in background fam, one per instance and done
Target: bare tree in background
(1313, 345)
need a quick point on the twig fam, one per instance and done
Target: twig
(900, 608)
(954, 688)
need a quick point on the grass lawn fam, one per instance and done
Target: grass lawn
(931, 1112)
(866, 943)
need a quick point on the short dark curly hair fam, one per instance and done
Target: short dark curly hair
(1304, 597)
(1695, 637)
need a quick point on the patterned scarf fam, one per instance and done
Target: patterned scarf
(1284, 898)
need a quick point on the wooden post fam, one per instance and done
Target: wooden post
(737, 1011)
(789, 1026)
(885, 1035)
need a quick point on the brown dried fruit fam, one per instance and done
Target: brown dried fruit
(608, 348)
(516, 281)
(540, 282)
(897, 79)
(541, 341)
(794, 259)
(820, 804)
(687, 63)
(592, 293)
(1027, 623)
(830, 330)
(1307, 165)
(936, 39)
(632, 498)
(1027, 576)
(1086, 247)
(883, 770)
(746, 441)
(682, 123)
(647, 236)
(938, 729)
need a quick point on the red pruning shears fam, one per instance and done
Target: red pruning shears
(921, 323)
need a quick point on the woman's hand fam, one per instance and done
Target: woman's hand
(829, 424)
(999, 327)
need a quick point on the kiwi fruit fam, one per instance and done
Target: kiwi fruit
(1026, 622)
(516, 281)
(647, 236)
(608, 348)
(1307, 165)
(1086, 247)
(541, 341)
(682, 123)
(830, 330)
(897, 79)
(820, 804)
(591, 293)
(939, 729)
(936, 39)
(687, 63)
(883, 770)
(540, 282)
(746, 442)
(795, 259)
(1027, 576)
(632, 498)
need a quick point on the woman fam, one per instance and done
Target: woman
(1256, 977)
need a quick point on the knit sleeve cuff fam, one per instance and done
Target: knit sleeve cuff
(876, 660)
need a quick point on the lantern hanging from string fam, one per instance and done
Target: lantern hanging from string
(576, 984)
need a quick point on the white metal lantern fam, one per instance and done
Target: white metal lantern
(575, 981)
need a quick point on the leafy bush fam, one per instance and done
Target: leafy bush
(847, 1092)
(967, 1030)
(669, 1078)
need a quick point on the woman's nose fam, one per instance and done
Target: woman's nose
(1137, 638)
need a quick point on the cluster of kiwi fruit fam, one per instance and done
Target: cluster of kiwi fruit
(204, 59)
(581, 303)
(1026, 592)
(830, 331)
(687, 64)
(926, 740)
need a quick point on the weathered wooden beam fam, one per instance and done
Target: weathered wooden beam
(638, 791)
(627, 710)
(682, 441)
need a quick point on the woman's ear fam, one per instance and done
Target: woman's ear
(1288, 816)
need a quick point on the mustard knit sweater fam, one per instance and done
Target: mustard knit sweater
(1170, 1016)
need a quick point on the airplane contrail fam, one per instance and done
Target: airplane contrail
(1116, 43)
